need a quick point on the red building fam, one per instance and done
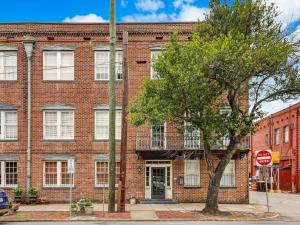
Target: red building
(280, 133)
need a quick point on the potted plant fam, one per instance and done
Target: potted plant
(74, 207)
(32, 192)
(86, 206)
(17, 192)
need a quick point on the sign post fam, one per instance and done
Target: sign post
(70, 171)
(264, 159)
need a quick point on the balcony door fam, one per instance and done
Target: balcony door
(158, 137)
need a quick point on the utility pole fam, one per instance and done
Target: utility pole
(122, 179)
(112, 107)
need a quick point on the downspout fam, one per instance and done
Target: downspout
(297, 151)
(28, 45)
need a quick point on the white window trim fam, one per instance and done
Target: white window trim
(58, 66)
(185, 173)
(95, 125)
(2, 125)
(188, 133)
(59, 175)
(2, 71)
(165, 136)
(3, 175)
(103, 185)
(95, 65)
(232, 162)
(277, 140)
(286, 132)
(58, 121)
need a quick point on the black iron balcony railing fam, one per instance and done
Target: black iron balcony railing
(176, 141)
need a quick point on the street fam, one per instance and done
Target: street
(288, 205)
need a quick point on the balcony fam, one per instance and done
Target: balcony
(179, 142)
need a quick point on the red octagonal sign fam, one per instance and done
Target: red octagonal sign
(264, 158)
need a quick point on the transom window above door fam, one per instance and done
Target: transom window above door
(58, 65)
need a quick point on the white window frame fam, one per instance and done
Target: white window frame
(58, 65)
(95, 174)
(3, 56)
(58, 125)
(3, 124)
(196, 173)
(164, 138)
(277, 136)
(153, 74)
(108, 57)
(222, 182)
(3, 174)
(190, 136)
(286, 133)
(59, 175)
(117, 130)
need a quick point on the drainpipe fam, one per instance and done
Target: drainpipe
(28, 45)
(297, 151)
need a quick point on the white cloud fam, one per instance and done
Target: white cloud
(152, 17)
(295, 36)
(90, 18)
(191, 13)
(149, 5)
(289, 10)
(180, 3)
(275, 106)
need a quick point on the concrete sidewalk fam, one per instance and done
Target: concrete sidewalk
(148, 211)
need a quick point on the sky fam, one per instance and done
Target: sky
(136, 11)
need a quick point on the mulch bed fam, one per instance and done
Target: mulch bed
(53, 216)
(196, 215)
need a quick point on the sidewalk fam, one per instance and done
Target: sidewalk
(182, 211)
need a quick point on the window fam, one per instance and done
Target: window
(102, 176)
(102, 124)
(58, 124)
(267, 139)
(191, 173)
(8, 125)
(102, 65)
(8, 65)
(58, 65)
(8, 174)
(286, 134)
(191, 137)
(277, 136)
(55, 174)
(154, 55)
(158, 137)
(228, 178)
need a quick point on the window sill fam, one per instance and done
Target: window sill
(192, 187)
(105, 140)
(104, 186)
(58, 81)
(58, 187)
(107, 81)
(9, 187)
(9, 140)
(8, 81)
(59, 140)
(230, 187)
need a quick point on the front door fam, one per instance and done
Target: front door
(158, 183)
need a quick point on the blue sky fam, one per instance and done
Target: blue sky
(134, 11)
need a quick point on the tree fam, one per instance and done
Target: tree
(237, 55)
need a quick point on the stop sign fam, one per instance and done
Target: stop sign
(264, 158)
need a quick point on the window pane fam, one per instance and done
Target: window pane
(102, 65)
(119, 58)
(118, 124)
(228, 177)
(50, 65)
(51, 125)
(154, 56)
(286, 134)
(192, 173)
(51, 173)
(66, 178)
(67, 125)
(11, 127)
(11, 173)
(67, 66)
(158, 137)
(102, 173)
(101, 124)
(10, 65)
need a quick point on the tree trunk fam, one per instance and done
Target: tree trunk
(211, 205)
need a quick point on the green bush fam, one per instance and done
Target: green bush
(18, 191)
(32, 192)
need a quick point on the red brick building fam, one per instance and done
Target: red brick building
(280, 133)
(65, 105)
